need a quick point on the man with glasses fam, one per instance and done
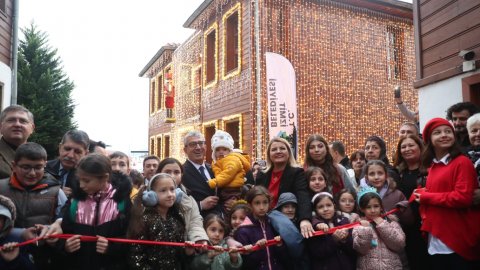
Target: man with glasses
(37, 196)
(197, 173)
(16, 125)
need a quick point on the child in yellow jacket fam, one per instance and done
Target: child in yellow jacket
(229, 166)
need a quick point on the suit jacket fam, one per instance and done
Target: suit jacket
(53, 168)
(292, 180)
(7, 154)
(197, 187)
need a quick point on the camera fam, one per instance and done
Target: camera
(466, 55)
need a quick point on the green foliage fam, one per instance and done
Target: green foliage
(44, 89)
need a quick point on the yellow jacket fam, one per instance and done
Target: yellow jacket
(230, 171)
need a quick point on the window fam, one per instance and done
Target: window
(209, 131)
(395, 53)
(152, 96)
(159, 92)
(231, 42)
(158, 150)
(210, 62)
(3, 6)
(166, 148)
(233, 124)
(233, 128)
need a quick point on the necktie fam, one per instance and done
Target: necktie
(63, 177)
(202, 173)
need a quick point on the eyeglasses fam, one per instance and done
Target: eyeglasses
(28, 169)
(195, 144)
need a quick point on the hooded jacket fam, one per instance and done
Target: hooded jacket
(22, 261)
(193, 220)
(379, 248)
(230, 171)
(252, 230)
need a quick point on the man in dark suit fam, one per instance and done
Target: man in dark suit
(72, 148)
(197, 173)
(16, 125)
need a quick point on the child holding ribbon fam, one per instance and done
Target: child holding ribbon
(217, 259)
(256, 230)
(96, 208)
(330, 251)
(379, 241)
(160, 220)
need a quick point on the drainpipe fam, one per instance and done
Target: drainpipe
(13, 99)
(257, 80)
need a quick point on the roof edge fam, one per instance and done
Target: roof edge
(156, 56)
(197, 12)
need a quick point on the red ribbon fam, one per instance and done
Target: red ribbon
(350, 225)
(270, 242)
(85, 238)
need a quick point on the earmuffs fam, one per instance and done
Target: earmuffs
(150, 197)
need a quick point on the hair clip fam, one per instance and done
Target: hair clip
(364, 191)
(322, 193)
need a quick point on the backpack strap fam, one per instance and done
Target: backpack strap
(121, 206)
(73, 209)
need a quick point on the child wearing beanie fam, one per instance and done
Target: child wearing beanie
(452, 224)
(11, 257)
(229, 167)
(287, 204)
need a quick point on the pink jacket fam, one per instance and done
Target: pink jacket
(390, 242)
(100, 206)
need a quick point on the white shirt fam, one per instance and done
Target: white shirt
(197, 166)
(435, 245)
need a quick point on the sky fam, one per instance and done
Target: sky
(104, 44)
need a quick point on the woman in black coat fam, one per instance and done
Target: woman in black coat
(283, 175)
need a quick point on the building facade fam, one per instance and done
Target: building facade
(6, 29)
(447, 55)
(348, 57)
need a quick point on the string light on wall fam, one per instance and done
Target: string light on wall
(345, 78)
(339, 55)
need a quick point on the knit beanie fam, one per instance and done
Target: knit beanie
(284, 198)
(7, 209)
(431, 125)
(221, 139)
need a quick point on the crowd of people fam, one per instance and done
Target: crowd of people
(334, 211)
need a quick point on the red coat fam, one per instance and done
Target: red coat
(446, 206)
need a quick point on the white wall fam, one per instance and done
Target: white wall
(434, 99)
(6, 80)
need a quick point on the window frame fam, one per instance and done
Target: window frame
(231, 12)
(214, 80)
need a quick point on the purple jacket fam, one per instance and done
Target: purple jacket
(326, 253)
(252, 230)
